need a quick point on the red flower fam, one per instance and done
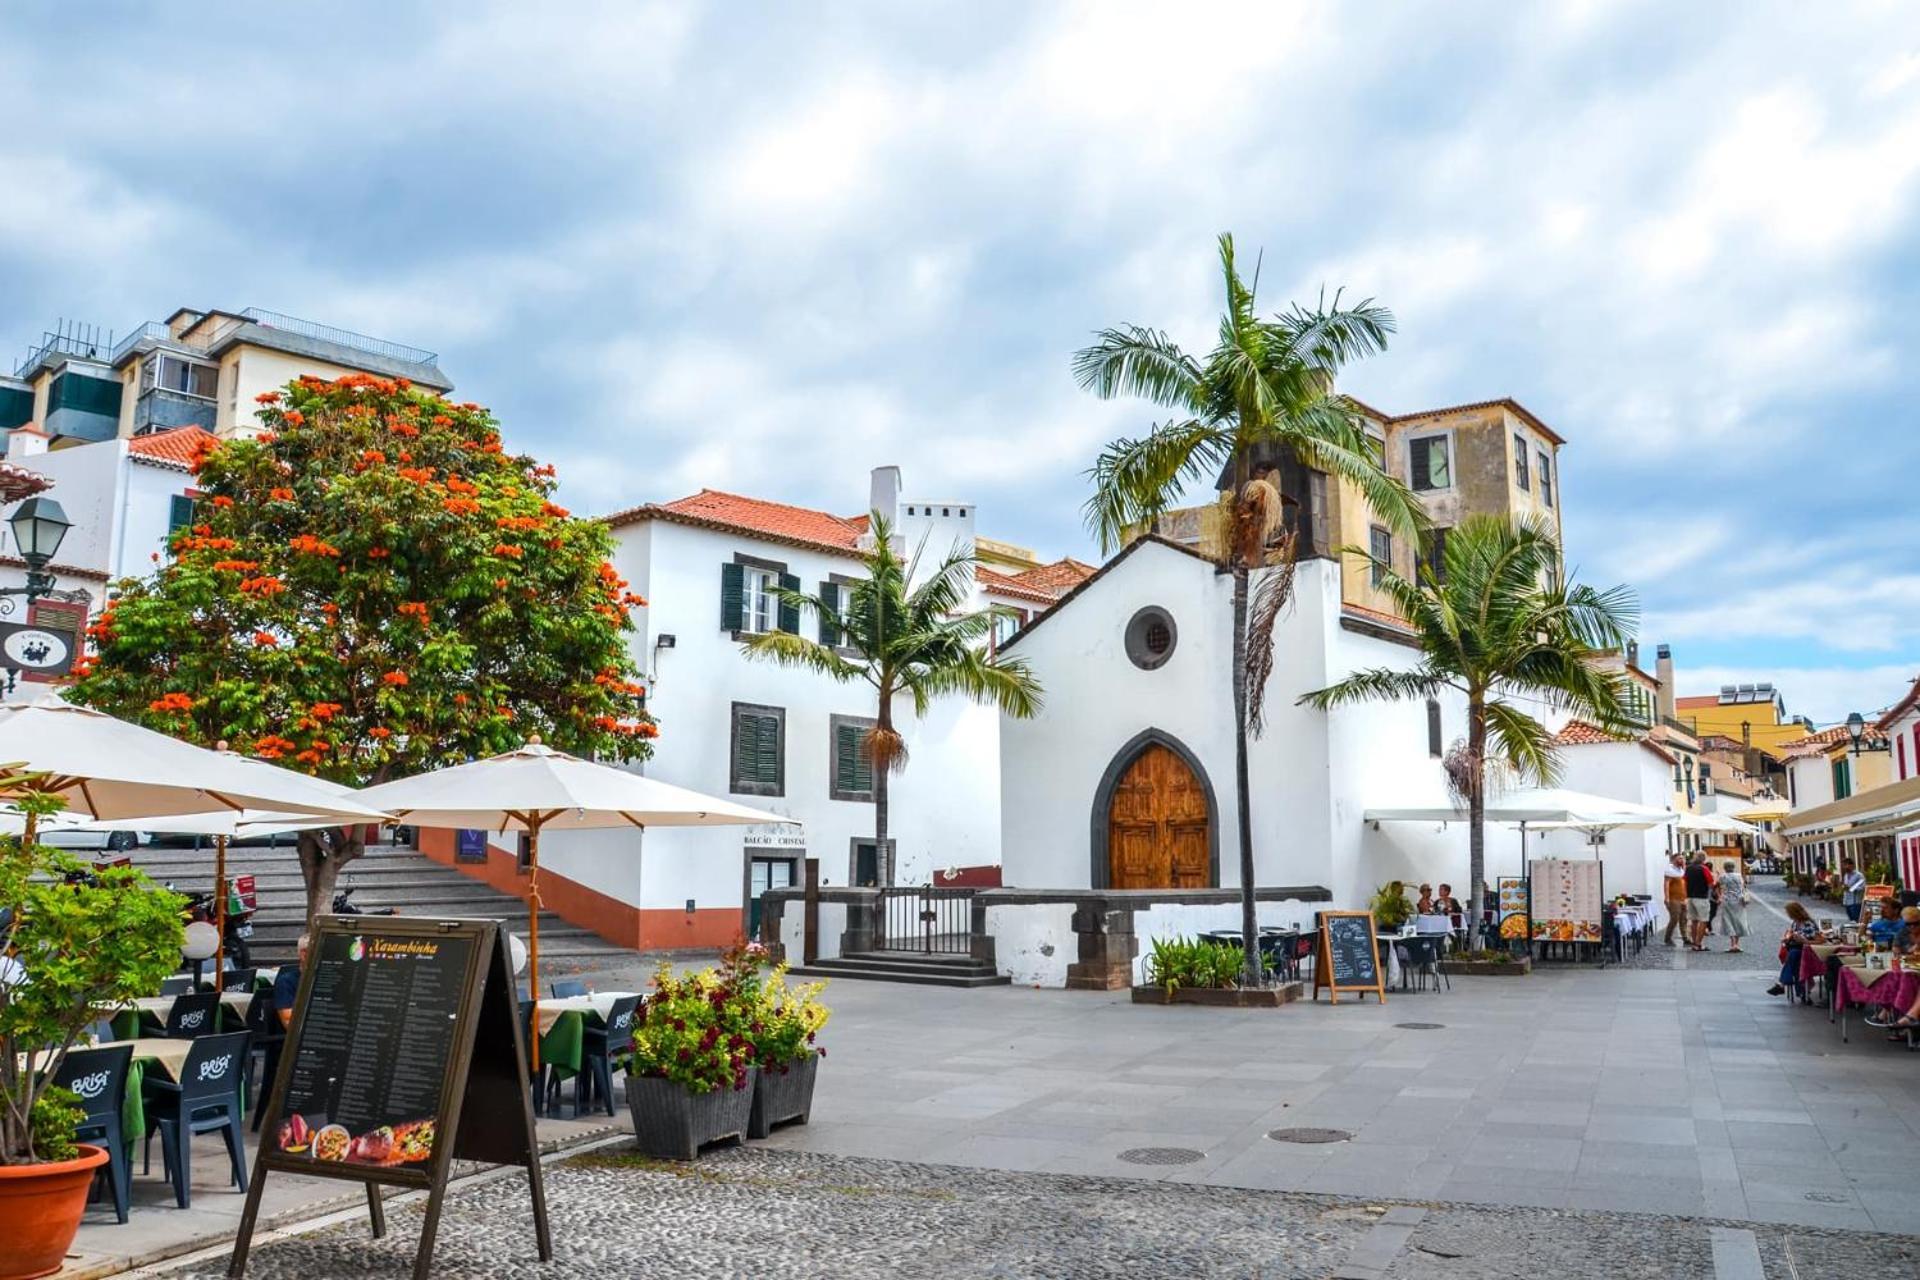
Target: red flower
(378, 553)
(323, 710)
(280, 495)
(372, 456)
(460, 506)
(554, 510)
(294, 417)
(414, 609)
(222, 501)
(265, 585)
(171, 702)
(266, 640)
(508, 550)
(307, 544)
(267, 397)
(380, 731)
(398, 679)
(237, 566)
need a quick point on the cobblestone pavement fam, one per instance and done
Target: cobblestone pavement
(1766, 919)
(767, 1213)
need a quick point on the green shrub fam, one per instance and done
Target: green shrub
(1194, 962)
(1390, 907)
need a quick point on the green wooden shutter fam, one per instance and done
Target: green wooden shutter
(846, 752)
(732, 597)
(767, 751)
(179, 511)
(830, 596)
(789, 611)
(743, 749)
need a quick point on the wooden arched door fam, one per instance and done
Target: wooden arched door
(1157, 835)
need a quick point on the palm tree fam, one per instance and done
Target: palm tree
(919, 642)
(1267, 384)
(1502, 625)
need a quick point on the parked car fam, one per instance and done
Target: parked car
(115, 841)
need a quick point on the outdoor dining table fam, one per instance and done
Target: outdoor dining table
(164, 1054)
(1854, 983)
(563, 1025)
(127, 1019)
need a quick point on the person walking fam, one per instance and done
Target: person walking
(1853, 889)
(1676, 896)
(1733, 903)
(1699, 902)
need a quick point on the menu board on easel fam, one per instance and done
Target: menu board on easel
(1347, 955)
(1566, 897)
(404, 1053)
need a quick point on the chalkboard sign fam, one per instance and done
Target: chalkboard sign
(405, 1052)
(1347, 957)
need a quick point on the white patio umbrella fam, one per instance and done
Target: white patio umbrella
(538, 789)
(1542, 807)
(108, 768)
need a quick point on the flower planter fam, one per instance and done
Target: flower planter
(673, 1124)
(40, 1208)
(783, 1095)
(1228, 997)
(1518, 968)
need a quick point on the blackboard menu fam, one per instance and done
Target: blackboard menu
(372, 1048)
(1352, 960)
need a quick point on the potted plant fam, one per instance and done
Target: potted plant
(1390, 907)
(690, 1072)
(782, 1025)
(71, 943)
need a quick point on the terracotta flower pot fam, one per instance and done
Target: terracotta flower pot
(40, 1208)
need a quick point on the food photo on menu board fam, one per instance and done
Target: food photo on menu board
(373, 1042)
(1566, 901)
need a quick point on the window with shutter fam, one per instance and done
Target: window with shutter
(852, 764)
(179, 512)
(829, 596)
(758, 750)
(789, 612)
(1546, 479)
(1435, 747)
(732, 597)
(1428, 458)
(1382, 549)
(1436, 557)
(1520, 460)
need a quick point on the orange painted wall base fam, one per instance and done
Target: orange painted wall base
(625, 925)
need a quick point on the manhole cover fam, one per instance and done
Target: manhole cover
(1420, 1026)
(1826, 1197)
(1309, 1135)
(1162, 1155)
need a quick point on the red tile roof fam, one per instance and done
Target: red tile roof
(18, 482)
(175, 448)
(1506, 402)
(1579, 733)
(731, 512)
(1378, 615)
(1000, 584)
(1899, 708)
(1056, 579)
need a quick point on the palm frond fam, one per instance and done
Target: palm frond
(1270, 599)
(1521, 742)
(1330, 336)
(785, 649)
(1132, 360)
(1380, 684)
(1009, 685)
(1136, 480)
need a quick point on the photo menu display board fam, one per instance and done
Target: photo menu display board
(1567, 900)
(1512, 893)
(372, 1049)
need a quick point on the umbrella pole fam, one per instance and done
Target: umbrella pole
(533, 940)
(219, 914)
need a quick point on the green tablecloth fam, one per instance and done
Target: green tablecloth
(562, 1048)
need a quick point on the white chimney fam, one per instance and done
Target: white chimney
(24, 442)
(1663, 672)
(883, 494)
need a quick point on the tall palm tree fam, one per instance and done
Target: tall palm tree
(1502, 625)
(919, 642)
(1266, 384)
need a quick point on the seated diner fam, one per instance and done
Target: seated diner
(1801, 930)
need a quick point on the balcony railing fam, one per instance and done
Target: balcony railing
(342, 337)
(151, 331)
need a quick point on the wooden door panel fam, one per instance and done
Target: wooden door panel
(1157, 824)
(1135, 856)
(1190, 864)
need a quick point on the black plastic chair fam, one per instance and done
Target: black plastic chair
(263, 1024)
(567, 987)
(1423, 958)
(235, 980)
(600, 1044)
(179, 984)
(208, 1099)
(98, 1077)
(193, 1016)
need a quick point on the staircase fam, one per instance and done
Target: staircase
(384, 877)
(923, 969)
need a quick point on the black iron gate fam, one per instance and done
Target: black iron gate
(927, 920)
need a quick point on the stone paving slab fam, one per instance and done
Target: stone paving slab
(767, 1213)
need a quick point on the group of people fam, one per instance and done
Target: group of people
(1443, 904)
(1698, 898)
(1896, 927)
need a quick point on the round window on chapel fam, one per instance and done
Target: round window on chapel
(1150, 638)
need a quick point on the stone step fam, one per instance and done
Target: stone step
(875, 967)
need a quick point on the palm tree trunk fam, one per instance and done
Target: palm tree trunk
(1243, 797)
(1476, 814)
(882, 773)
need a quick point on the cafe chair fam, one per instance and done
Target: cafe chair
(193, 1016)
(179, 984)
(600, 1044)
(263, 1024)
(235, 980)
(568, 987)
(207, 1099)
(1423, 959)
(98, 1077)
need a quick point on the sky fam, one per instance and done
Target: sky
(765, 248)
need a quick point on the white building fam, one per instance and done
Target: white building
(782, 739)
(1901, 726)
(1128, 782)
(1637, 770)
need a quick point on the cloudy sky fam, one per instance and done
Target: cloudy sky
(765, 249)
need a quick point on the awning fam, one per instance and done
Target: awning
(1858, 831)
(1895, 800)
(1540, 805)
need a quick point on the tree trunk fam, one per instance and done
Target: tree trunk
(322, 854)
(882, 775)
(1243, 791)
(1476, 815)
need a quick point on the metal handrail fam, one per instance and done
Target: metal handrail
(344, 337)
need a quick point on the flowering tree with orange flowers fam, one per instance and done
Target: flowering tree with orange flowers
(373, 587)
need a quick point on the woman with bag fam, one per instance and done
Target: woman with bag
(1734, 898)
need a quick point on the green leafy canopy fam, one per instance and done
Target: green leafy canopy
(373, 587)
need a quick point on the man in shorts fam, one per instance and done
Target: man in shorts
(1676, 897)
(1699, 882)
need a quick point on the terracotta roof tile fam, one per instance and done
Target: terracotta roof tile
(18, 482)
(1377, 615)
(1055, 579)
(175, 448)
(1578, 733)
(1001, 584)
(715, 509)
(1900, 708)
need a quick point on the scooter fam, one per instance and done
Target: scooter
(200, 906)
(343, 905)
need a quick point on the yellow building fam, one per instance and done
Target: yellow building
(196, 368)
(1750, 714)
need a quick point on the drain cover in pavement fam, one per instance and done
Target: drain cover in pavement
(1420, 1026)
(1162, 1155)
(1826, 1197)
(1308, 1135)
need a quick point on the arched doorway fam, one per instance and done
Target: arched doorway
(1153, 819)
